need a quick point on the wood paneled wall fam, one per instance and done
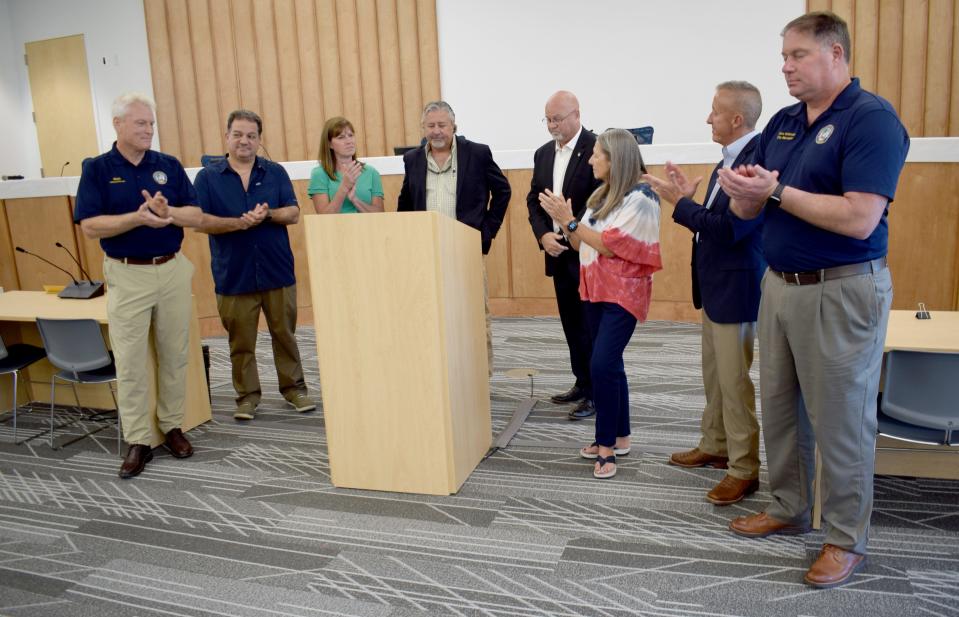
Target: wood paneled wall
(923, 249)
(296, 63)
(907, 51)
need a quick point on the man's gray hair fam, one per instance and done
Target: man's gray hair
(438, 106)
(748, 100)
(122, 103)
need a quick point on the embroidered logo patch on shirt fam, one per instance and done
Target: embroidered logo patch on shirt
(117, 180)
(824, 134)
(159, 177)
(785, 136)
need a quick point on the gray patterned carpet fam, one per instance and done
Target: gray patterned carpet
(250, 526)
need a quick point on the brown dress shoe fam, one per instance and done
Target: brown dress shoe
(698, 458)
(834, 567)
(761, 525)
(136, 459)
(177, 444)
(732, 489)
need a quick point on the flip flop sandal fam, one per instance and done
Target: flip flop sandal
(583, 452)
(602, 460)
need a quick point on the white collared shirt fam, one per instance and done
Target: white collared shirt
(564, 155)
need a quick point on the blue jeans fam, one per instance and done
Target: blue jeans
(610, 326)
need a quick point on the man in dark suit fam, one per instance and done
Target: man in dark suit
(458, 178)
(562, 166)
(727, 268)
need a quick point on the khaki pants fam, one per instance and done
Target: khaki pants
(149, 301)
(240, 315)
(820, 355)
(729, 425)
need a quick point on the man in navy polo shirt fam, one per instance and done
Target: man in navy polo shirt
(247, 203)
(136, 201)
(825, 173)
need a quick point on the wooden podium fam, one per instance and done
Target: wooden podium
(401, 342)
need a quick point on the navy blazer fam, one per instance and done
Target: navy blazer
(578, 184)
(728, 261)
(482, 191)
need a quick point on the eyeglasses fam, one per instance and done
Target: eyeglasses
(548, 120)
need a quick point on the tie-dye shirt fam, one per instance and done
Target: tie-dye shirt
(631, 232)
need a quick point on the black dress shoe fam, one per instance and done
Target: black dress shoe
(584, 410)
(177, 444)
(136, 459)
(570, 396)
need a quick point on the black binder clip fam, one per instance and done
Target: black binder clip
(922, 313)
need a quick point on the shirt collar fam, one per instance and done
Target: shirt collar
(149, 157)
(571, 144)
(450, 162)
(843, 101)
(733, 150)
(223, 165)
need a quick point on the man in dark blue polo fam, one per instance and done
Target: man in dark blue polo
(136, 201)
(826, 171)
(247, 203)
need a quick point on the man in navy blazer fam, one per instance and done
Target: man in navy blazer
(481, 193)
(562, 166)
(727, 268)
(459, 178)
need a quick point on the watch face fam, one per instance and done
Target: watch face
(572, 226)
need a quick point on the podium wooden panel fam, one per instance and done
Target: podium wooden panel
(18, 313)
(401, 342)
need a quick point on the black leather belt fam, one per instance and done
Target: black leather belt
(145, 261)
(827, 274)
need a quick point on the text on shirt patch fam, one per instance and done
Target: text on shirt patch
(785, 136)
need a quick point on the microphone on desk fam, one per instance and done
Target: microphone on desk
(64, 167)
(76, 290)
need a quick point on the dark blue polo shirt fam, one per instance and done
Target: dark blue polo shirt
(110, 184)
(255, 259)
(857, 145)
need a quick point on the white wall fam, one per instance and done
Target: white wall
(12, 159)
(631, 62)
(114, 30)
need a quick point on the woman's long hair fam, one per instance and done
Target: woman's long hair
(334, 127)
(626, 170)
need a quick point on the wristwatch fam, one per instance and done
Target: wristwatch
(572, 225)
(269, 216)
(777, 195)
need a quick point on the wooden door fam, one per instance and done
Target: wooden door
(62, 104)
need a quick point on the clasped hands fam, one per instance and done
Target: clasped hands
(748, 187)
(561, 211)
(154, 211)
(252, 218)
(675, 186)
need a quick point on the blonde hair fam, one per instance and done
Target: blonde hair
(334, 127)
(626, 170)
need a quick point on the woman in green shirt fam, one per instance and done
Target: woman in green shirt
(341, 183)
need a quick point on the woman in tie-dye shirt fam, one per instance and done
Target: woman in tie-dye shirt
(618, 244)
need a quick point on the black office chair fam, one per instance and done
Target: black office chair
(920, 399)
(14, 359)
(76, 347)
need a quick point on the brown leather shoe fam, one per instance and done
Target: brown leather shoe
(834, 567)
(761, 525)
(136, 459)
(732, 489)
(698, 458)
(177, 444)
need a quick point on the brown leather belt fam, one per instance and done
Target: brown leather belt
(827, 274)
(145, 261)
